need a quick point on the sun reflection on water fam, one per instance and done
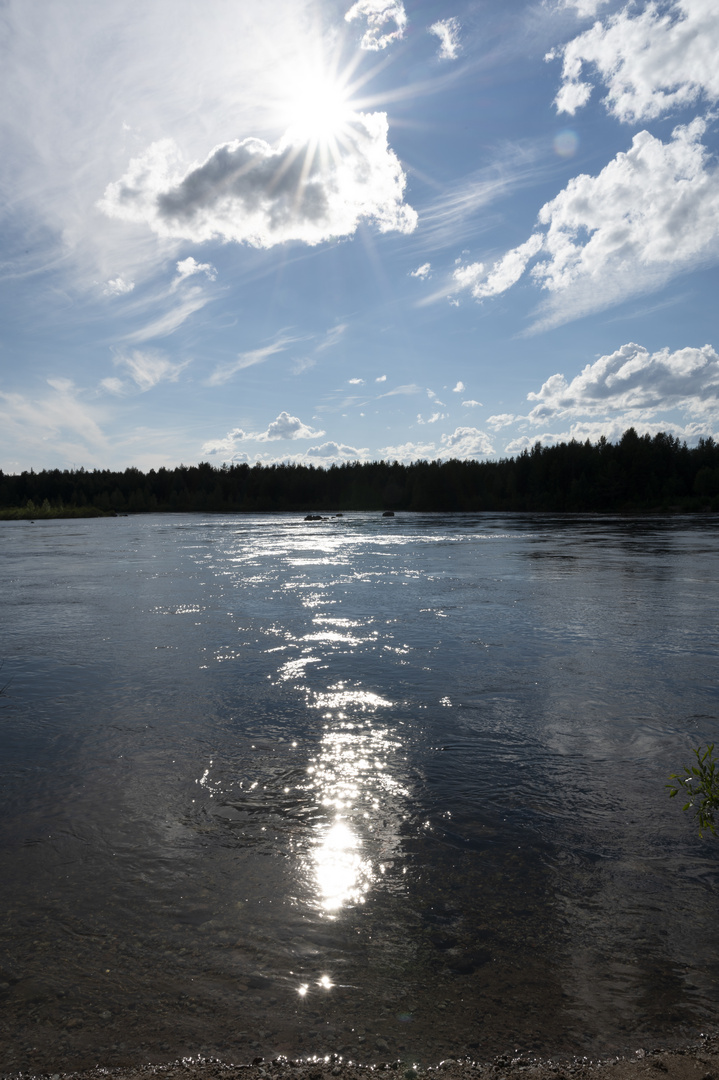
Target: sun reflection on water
(352, 780)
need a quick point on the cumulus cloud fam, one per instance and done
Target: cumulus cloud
(447, 30)
(324, 455)
(463, 442)
(148, 367)
(288, 427)
(500, 420)
(284, 427)
(421, 271)
(356, 382)
(409, 451)
(503, 274)
(612, 430)
(651, 61)
(380, 16)
(633, 379)
(675, 391)
(432, 419)
(466, 442)
(459, 388)
(187, 267)
(381, 378)
(249, 192)
(118, 287)
(333, 451)
(651, 213)
(470, 403)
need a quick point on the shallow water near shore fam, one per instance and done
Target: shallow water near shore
(380, 787)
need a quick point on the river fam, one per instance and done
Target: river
(384, 787)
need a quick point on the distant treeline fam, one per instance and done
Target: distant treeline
(639, 473)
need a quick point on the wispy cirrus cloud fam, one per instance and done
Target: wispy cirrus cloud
(171, 320)
(147, 368)
(63, 416)
(224, 372)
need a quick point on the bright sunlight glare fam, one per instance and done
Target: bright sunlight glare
(319, 108)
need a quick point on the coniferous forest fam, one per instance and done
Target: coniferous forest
(638, 474)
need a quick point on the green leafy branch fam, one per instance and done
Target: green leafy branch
(701, 783)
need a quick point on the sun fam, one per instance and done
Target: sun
(318, 108)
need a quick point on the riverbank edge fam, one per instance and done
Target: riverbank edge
(697, 1061)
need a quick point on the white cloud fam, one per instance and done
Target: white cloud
(60, 148)
(612, 430)
(148, 368)
(470, 404)
(650, 214)
(466, 442)
(658, 59)
(432, 419)
(406, 388)
(332, 336)
(630, 387)
(447, 30)
(60, 419)
(333, 451)
(463, 442)
(380, 16)
(356, 382)
(194, 300)
(118, 287)
(248, 192)
(459, 388)
(113, 385)
(322, 456)
(500, 420)
(381, 378)
(288, 427)
(586, 9)
(634, 380)
(504, 273)
(409, 451)
(187, 267)
(284, 427)
(224, 372)
(422, 271)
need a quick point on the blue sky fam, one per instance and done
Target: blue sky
(325, 231)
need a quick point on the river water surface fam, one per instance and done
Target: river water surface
(383, 787)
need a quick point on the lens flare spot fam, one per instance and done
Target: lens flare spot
(566, 143)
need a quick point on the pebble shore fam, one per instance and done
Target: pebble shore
(695, 1062)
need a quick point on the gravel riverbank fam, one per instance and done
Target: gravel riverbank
(699, 1061)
